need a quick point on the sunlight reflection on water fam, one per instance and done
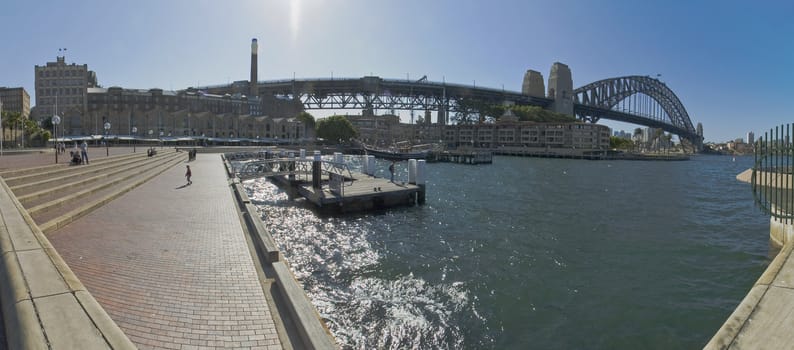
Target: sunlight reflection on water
(340, 269)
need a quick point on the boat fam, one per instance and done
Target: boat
(400, 151)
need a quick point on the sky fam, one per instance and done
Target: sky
(731, 63)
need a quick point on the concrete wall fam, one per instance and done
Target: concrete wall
(780, 233)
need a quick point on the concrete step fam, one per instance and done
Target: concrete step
(43, 182)
(51, 220)
(75, 194)
(60, 172)
(79, 183)
(10, 173)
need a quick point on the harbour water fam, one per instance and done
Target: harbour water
(531, 253)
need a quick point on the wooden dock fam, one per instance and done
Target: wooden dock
(333, 185)
(361, 193)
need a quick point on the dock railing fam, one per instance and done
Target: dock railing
(250, 165)
(772, 182)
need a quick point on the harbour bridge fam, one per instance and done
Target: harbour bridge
(640, 100)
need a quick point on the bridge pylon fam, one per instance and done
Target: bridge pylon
(561, 88)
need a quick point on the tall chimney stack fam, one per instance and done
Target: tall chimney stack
(253, 82)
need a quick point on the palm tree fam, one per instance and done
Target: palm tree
(10, 120)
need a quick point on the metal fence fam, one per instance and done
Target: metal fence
(772, 181)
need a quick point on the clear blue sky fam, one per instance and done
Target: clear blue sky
(730, 62)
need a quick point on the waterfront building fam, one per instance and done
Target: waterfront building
(14, 100)
(582, 136)
(186, 113)
(63, 84)
(379, 130)
(385, 130)
(750, 137)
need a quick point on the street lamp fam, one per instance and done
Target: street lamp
(107, 129)
(55, 121)
(134, 132)
(161, 140)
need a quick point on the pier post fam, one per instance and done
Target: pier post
(291, 156)
(412, 171)
(317, 170)
(420, 180)
(371, 165)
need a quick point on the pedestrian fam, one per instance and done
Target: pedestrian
(84, 152)
(391, 170)
(188, 174)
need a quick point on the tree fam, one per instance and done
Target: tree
(472, 111)
(620, 143)
(309, 123)
(336, 128)
(10, 121)
(540, 115)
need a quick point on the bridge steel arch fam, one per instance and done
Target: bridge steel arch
(598, 100)
(592, 102)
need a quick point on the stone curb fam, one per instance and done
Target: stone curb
(264, 243)
(313, 332)
(740, 317)
(70, 316)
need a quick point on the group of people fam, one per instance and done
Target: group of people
(191, 154)
(79, 154)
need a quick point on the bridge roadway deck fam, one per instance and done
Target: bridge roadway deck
(170, 263)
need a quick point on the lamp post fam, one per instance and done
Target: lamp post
(107, 147)
(161, 140)
(55, 121)
(134, 132)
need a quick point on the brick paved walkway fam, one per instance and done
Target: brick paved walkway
(170, 264)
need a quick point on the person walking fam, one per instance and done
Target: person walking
(188, 174)
(391, 170)
(84, 152)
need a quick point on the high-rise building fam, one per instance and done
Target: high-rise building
(15, 100)
(750, 137)
(64, 85)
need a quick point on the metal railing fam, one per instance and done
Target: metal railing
(251, 165)
(772, 180)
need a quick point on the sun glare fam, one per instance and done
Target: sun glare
(294, 18)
